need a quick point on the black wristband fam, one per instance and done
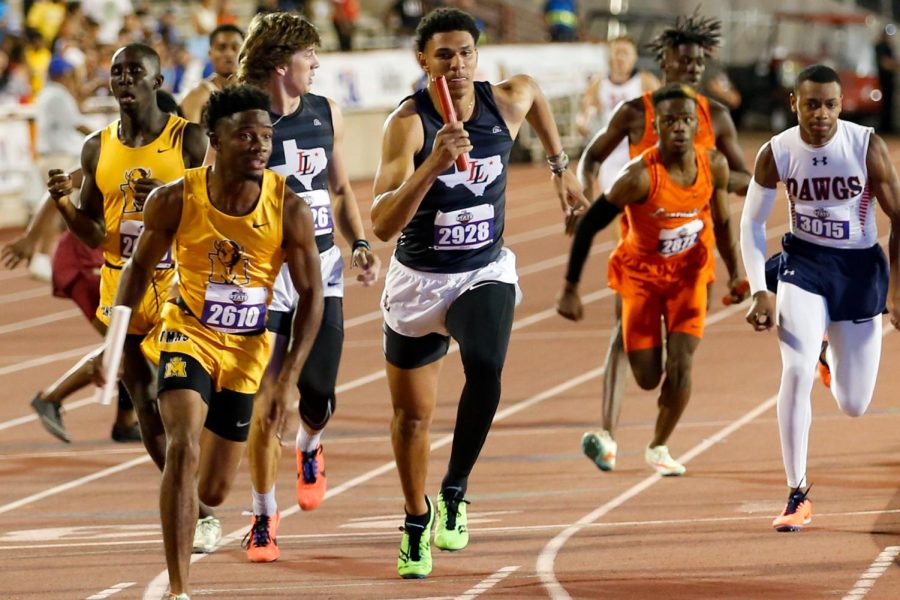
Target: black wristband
(361, 244)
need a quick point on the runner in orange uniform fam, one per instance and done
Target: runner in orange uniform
(681, 51)
(674, 199)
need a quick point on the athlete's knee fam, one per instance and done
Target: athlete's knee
(410, 423)
(647, 379)
(678, 369)
(482, 363)
(182, 453)
(797, 376)
(852, 405)
(212, 491)
(646, 370)
(316, 407)
(854, 410)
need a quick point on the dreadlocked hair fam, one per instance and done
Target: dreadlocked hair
(706, 32)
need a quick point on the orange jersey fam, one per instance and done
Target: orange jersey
(672, 229)
(705, 137)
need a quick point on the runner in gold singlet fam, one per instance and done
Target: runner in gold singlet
(230, 240)
(122, 163)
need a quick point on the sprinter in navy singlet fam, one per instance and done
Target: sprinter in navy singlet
(832, 273)
(307, 151)
(450, 275)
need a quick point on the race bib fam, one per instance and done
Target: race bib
(320, 204)
(129, 230)
(832, 223)
(679, 239)
(234, 309)
(465, 229)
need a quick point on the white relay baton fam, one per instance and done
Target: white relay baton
(112, 353)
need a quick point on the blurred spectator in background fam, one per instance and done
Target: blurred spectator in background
(167, 28)
(37, 59)
(14, 86)
(60, 129)
(561, 17)
(71, 39)
(402, 18)
(344, 14)
(46, 16)
(224, 14)
(621, 82)
(203, 20)
(267, 6)
(224, 45)
(887, 68)
(109, 15)
(95, 72)
(716, 84)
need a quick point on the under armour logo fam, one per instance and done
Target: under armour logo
(816, 160)
(789, 272)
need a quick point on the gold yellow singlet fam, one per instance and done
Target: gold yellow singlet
(227, 267)
(118, 168)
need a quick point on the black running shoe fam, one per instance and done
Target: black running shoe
(51, 419)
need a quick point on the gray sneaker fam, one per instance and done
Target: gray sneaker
(51, 419)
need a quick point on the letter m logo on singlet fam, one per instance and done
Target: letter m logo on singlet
(175, 367)
(482, 173)
(303, 163)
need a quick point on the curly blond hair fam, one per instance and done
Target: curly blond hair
(271, 41)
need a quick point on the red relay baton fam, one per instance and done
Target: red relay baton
(462, 161)
(742, 287)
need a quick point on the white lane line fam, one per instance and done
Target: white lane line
(488, 583)
(545, 562)
(111, 590)
(25, 295)
(75, 483)
(15, 368)
(884, 560)
(504, 530)
(33, 417)
(38, 321)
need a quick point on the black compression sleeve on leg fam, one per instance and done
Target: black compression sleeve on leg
(596, 218)
(481, 321)
(319, 374)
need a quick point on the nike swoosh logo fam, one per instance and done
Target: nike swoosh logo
(333, 283)
(482, 283)
(258, 225)
(161, 150)
(240, 424)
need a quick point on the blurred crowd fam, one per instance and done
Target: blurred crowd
(84, 34)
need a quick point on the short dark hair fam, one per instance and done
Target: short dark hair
(144, 51)
(442, 20)
(818, 74)
(695, 29)
(226, 28)
(233, 100)
(167, 103)
(673, 91)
